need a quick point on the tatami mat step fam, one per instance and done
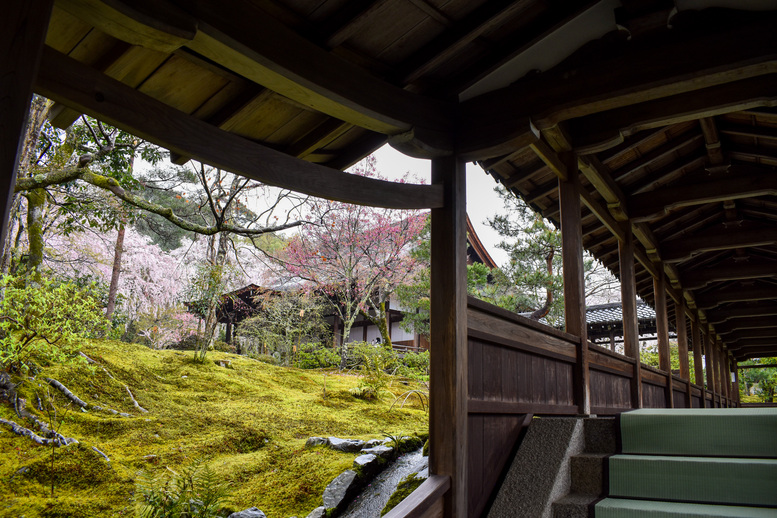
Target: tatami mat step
(728, 432)
(697, 479)
(624, 508)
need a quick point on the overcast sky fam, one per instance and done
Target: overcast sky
(482, 201)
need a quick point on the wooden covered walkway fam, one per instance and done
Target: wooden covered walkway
(645, 129)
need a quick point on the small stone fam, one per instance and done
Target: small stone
(337, 490)
(312, 442)
(346, 445)
(364, 460)
(373, 442)
(383, 452)
(252, 512)
(318, 512)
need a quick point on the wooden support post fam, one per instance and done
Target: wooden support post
(574, 289)
(448, 320)
(709, 366)
(698, 366)
(23, 28)
(630, 321)
(725, 376)
(662, 334)
(736, 384)
(682, 348)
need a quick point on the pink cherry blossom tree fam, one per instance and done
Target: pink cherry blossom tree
(357, 256)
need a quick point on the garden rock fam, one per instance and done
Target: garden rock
(338, 490)
(252, 512)
(318, 512)
(383, 452)
(368, 465)
(346, 445)
(312, 442)
(372, 443)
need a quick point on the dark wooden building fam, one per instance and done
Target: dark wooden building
(646, 129)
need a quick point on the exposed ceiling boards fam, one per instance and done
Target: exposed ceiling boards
(550, 50)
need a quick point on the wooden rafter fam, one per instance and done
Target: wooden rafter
(732, 271)
(736, 293)
(717, 238)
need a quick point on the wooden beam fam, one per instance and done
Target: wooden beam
(574, 288)
(712, 141)
(461, 34)
(550, 157)
(731, 271)
(758, 366)
(673, 146)
(156, 25)
(741, 182)
(448, 392)
(672, 172)
(742, 311)
(717, 238)
(248, 41)
(630, 321)
(748, 334)
(736, 293)
(734, 325)
(23, 28)
(661, 65)
(69, 82)
(349, 21)
(617, 124)
(757, 132)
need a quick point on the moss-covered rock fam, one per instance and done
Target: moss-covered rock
(406, 486)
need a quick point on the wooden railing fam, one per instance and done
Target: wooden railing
(518, 368)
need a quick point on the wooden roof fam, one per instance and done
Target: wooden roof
(668, 104)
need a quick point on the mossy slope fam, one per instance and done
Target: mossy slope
(249, 422)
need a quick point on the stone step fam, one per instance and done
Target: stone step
(623, 508)
(601, 435)
(694, 479)
(573, 506)
(587, 472)
(716, 432)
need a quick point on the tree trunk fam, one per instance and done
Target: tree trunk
(380, 320)
(217, 262)
(115, 272)
(36, 201)
(39, 109)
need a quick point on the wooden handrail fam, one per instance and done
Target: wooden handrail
(423, 498)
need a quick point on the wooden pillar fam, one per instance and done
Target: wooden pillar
(574, 290)
(708, 365)
(682, 348)
(698, 367)
(630, 320)
(725, 376)
(23, 28)
(662, 334)
(448, 320)
(736, 384)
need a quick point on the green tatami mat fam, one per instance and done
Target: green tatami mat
(621, 508)
(715, 480)
(728, 432)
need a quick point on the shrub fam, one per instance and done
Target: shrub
(374, 362)
(194, 493)
(415, 366)
(44, 317)
(315, 356)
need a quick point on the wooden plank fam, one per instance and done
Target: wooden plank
(533, 343)
(448, 392)
(23, 28)
(482, 406)
(574, 289)
(629, 308)
(476, 460)
(425, 501)
(245, 39)
(65, 80)
(476, 305)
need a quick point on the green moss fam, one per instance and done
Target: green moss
(406, 486)
(425, 451)
(250, 424)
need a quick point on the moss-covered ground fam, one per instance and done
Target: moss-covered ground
(248, 422)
